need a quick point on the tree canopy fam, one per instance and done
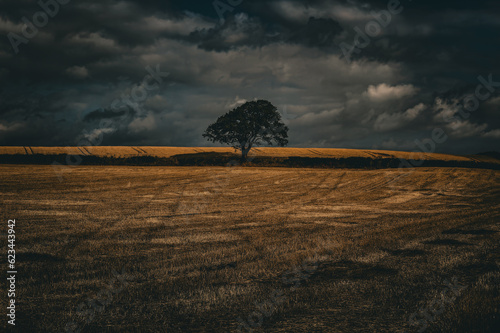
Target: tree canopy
(253, 123)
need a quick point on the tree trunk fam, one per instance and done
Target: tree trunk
(245, 149)
(244, 153)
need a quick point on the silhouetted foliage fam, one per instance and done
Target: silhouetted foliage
(224, 159)
(250, 124)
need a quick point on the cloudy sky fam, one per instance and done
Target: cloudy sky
(344, 74)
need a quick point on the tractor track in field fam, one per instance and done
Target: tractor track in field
(234, 180)
(255, 213)
(299, 199)
(375, 156)
(83, 152)
(72, 245)
(315, 152)
(29, 150)
(184, 256)
(137, 150)
(88, 152)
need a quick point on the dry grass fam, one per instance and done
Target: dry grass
(114, 151)
(13, 150)
(262, 151)
(206, 243)
(51, 150)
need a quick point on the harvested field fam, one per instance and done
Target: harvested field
(203, 247)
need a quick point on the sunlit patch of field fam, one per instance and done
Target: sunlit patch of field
(165, 152)
(114, 151)
(205, 244)
(51, 150)
(13, 150)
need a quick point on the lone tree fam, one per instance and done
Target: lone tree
(250, 124)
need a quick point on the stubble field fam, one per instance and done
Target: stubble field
(219, 249)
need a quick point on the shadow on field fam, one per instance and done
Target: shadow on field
(226, 159)
(37, 257)
(407, 252)
(479, 268)
(450, 242)
(347, 269)
(469, 232)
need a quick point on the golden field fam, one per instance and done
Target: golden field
(205, 247)
(131, 151)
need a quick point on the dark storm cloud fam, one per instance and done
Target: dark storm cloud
(241, 30)
(103, 114)
(61, 84)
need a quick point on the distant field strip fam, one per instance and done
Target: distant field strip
(165, 152)
(52, 150)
